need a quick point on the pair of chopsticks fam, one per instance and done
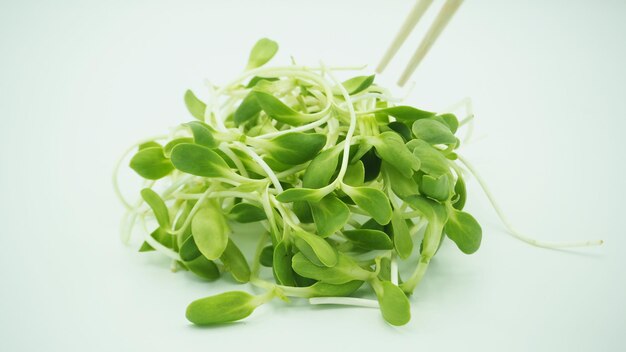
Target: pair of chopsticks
(418, 10)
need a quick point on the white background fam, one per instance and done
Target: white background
(80, 81)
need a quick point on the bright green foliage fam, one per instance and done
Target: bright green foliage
(372, 201)
(195, 106)
(402, 241)
(199, 160)
(247, 110)
(158, 207)
(295, 148)
(202, 134)
(262, 52)
(223, 308)
(390, 146)
(394, 304)
(345, 270)
(330, 215)
(151, 163)
(210, 232)
(369, 239)
(355, 85)
(464, 230)
(433, 132)
(327, 176)
(246, 212)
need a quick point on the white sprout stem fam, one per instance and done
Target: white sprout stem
(269, 212)
(214, 109)
(278, 71)
(266, 168)
(351, 129)
(180, 181)
(302, 128)
(347, 301)
(229, 153)
(290, 218)
(411, 214)
(415, 229)
(291, 171)
(394, 269)
(158, 246)
(192, 212)
(510, 227)
(218, 194)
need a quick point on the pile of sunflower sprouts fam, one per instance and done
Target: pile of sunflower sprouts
(344, 184)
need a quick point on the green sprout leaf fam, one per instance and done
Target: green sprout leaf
(158, 207)
(198, 160)
(432, 161)
(369, 239)
(402, 129)
(195, 106)
(301, 194)
(150, 144)
(282, 265)
(262, 52)
(438, 188)
(450, 120)
(371, 200)
(278, 111)
(355, 85)
(437, 216)
(330, 215)
(246, 213)
(151, 163)
(322, 250)
(247, 110)
(321, 169)
(210, 232)
(464, 230)
(391, 148)
(400, 185)
(267, 256)
(235, 262)
(355, 174)
(402, 241)
(223, 308)
(174, 142)
(344, 271)
(433, 132)
(295, 148)
(203, 268)
(202, 134)
(458, 201)
(394, 304)
(189, 250)
(323, 289)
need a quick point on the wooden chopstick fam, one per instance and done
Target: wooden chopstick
(444, 16)
(418, 10)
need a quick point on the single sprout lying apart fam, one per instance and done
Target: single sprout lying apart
(344, 183)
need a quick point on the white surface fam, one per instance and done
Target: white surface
(82, 80)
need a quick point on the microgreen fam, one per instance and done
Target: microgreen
(338, 178)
